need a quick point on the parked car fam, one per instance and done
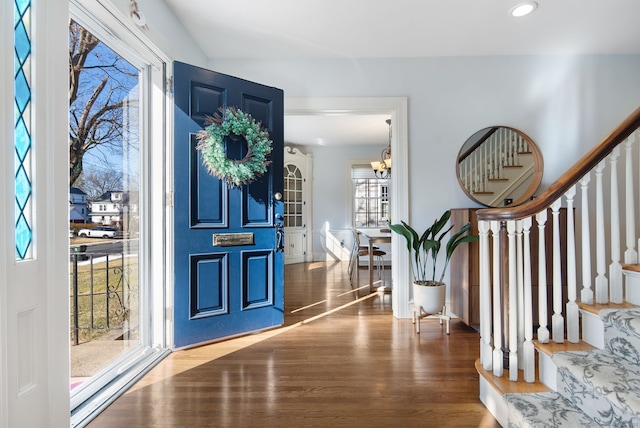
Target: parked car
(99, 232)
(72, 233)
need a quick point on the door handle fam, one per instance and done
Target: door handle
(279, 238)
(279, 223)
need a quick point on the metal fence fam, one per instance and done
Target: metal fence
(103, 293)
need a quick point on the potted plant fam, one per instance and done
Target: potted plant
(429, 292)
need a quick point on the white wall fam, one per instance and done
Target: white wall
(166, 32)
(566, 104)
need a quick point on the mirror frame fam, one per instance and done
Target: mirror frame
(538, 166)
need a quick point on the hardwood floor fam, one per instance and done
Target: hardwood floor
(353, 367)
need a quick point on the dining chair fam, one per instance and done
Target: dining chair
(358, 251)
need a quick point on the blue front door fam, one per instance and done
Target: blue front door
(220, 290)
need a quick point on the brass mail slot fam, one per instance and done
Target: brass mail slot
(232, 239)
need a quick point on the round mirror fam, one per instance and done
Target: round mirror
(499, 166)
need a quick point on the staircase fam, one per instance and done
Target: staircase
(580, 366)
(589, 387)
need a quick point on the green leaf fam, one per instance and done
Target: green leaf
(439, 224)
(402, 230)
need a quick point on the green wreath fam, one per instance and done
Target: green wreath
(234, 124)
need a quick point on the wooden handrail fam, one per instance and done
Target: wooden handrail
(569, 178)
(478, 143)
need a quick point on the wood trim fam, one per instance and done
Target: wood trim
(597, 307)
(632, 267)
(551, 347)
(569, 178)
(503, 385)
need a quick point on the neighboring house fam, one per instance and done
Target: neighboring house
(78, 210)
(109, 208)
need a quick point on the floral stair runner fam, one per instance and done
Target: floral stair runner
(594, 388)
(545, 409)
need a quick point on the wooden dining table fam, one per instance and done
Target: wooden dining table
(375, 236)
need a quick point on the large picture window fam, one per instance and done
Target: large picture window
(370, 198)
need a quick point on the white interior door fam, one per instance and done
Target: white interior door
(297, 205)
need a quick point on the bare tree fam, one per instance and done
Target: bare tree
(96, 181)
(100, 86)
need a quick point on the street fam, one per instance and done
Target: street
(102, 246)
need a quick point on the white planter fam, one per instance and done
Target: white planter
(430, 297)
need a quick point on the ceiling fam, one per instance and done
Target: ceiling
(337, 130)
(401, 28)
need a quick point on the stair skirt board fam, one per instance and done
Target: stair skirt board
(545, 409)
(547, 371)
(592, 329)
(632, 284)
(494, 401)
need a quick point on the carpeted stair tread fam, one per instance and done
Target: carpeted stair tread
(545, 410)
(622, 333)
(605, 386)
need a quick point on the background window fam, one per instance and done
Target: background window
(370, 198)
(293, 212)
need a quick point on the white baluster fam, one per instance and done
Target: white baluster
(485, 297)
(485, 161)
(468, 174)
(497, 304)
(496, 151)
(573, 314)
(502, 157)
(557, 320)
(586, 295)
(475, 173)
(615, 268)
(630, 255)
(543, 331)
(512, 291)
(520, 288)
(602, 285)
(528, 350)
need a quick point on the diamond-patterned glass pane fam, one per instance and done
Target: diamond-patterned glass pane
(23, 188)
(22, 129)
(23, 237)
(22, 6)
(22, 42)
(23, 140)
(23, 92)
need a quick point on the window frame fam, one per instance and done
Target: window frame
(383, 201)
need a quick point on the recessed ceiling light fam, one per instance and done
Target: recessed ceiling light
(522, 9)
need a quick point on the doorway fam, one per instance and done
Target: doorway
(396, 107)
(117, 186)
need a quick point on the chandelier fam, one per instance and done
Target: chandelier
(382, 169)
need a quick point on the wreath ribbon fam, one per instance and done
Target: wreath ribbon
(234, 123)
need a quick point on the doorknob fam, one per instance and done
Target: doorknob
(278, 196)
(279, 238)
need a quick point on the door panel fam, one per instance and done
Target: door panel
(209, 199)
(224, 289)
